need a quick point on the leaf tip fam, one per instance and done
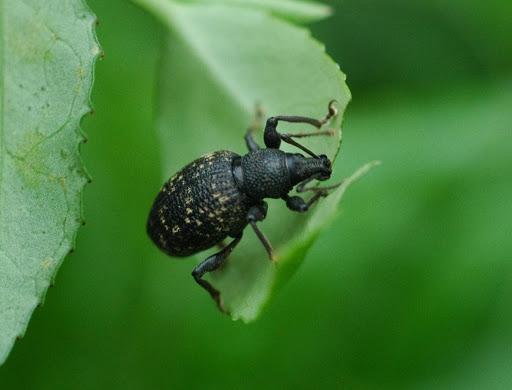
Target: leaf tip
(360, 172)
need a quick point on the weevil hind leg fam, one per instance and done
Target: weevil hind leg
(212, 263)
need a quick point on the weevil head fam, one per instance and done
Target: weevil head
(301, 168)
(326, 168)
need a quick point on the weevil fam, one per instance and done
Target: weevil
(219, 194)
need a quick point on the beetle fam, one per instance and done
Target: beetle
(219, 194)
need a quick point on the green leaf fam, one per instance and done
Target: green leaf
(46, 65)
(218, 62)
(294, 10)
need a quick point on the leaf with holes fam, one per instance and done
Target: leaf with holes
(219, 60)
(47, 54)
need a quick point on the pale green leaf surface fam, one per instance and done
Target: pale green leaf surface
(295, 10)
(218, 62)
(46, 60)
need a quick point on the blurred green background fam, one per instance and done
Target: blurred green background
(411, 288)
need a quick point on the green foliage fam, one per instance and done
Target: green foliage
(298, 11)
(46, 62)
(410, 289)
(218, 62)
(385, 45)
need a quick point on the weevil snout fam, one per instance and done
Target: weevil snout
(326, 167)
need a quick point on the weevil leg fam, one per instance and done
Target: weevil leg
(301, 187)
(296, 203)
(273, 138)
(290, 141)
(211, 264)
(256, 214)
(327, 133)
(255, 126)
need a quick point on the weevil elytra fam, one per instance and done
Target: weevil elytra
(220, 193)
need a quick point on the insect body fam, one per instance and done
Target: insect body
(199, 207)
(219, 194)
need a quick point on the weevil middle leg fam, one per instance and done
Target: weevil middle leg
(256, 214)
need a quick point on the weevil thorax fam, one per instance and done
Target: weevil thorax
(272, 173)
(262, 174)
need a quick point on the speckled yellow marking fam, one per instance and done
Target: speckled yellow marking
(188, 210)
(187, 220)
(198, 222)
(223, 199)
(175, 229)
(188, 200)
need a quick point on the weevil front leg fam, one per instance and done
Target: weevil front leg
(302, 186)
(273, 138)
(296, 203)
(211, 264)
(256, 214)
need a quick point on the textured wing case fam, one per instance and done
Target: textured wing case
(198, 207)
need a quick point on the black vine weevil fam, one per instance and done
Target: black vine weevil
(219, 194)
